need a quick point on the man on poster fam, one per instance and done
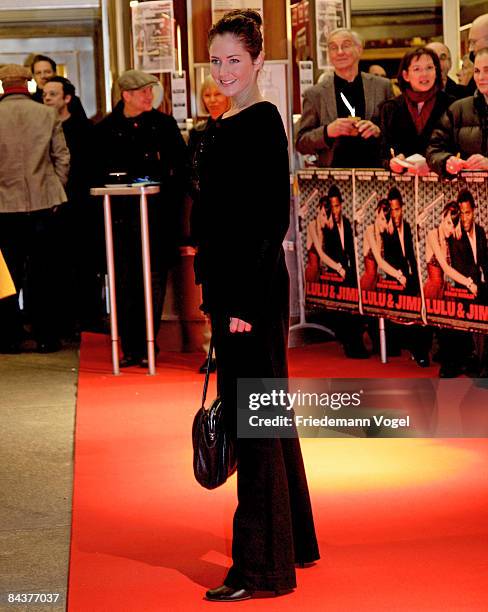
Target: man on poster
(469, 253)
(400, 253)
(338, 240)
(398, 246)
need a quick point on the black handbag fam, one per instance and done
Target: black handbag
(214, 458)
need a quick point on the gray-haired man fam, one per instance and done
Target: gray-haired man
(329, 127)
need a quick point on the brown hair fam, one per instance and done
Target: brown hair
(245, 25)
(408, 58)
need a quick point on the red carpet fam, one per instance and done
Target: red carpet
(402, 524)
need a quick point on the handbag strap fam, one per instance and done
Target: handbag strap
(207, 373)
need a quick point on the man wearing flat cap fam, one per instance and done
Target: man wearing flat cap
(33, 170)
(141, 142)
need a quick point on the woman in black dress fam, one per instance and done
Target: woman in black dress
(239, 223)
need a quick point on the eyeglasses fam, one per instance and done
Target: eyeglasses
(472, 42)
(346, 46)
(418, 69)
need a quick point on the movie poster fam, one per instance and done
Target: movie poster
(301, 37)
(386, 244)
(329, 15)
(153, 36)
(329, 257)
(452, 222)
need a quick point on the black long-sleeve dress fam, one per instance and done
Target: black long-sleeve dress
(239, 222)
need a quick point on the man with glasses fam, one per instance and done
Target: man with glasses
(478, 39)
(338, 123)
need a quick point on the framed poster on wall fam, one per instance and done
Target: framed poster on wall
(153, 37)
(329, 15)
(220, 7)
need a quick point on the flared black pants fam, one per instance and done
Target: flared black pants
(273, 524)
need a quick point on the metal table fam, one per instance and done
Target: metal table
(143, 192)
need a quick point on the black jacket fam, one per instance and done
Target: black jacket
(398, 129)
(455, 90)
(462, 129)
(78, 134)
(462, 258)
(407, 263)
(333, 248)
(147, 145)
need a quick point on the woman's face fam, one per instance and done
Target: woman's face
(448, 225)
(382, 222)
(421, 73)
(232, 66)
(215, 102)
(481, 73)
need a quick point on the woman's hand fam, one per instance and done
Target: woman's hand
(239, 326)
(395, 166)
(340, 270)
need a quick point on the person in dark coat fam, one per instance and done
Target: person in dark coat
(141, 142)
(241, 266)
(460, 140)
(81, 221)
(407, 121)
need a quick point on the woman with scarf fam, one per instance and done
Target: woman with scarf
(407, 121)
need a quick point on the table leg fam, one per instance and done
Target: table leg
(109, 250)
(146, 267)
(382, 340)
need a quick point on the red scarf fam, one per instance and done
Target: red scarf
(413, 98)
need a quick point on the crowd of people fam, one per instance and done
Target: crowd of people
(350, 119)
(51, 154)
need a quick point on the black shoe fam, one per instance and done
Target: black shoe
(449, 370)
(203, 367)
(52, 346)
(422, 359)
(129, 360)
(225, 593)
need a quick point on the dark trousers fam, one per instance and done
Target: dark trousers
(30, 245)
(80, 229)
(130, 287)
(273, 525)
